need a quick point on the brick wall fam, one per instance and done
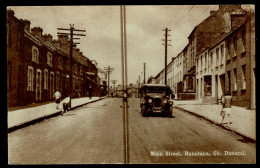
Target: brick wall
(15, 30)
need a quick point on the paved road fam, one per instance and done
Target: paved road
(93, 134)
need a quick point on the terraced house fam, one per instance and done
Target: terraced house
(219, 57)
(39, 65)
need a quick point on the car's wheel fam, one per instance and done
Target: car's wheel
(143, 111)
(170, 112)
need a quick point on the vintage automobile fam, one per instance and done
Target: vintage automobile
(156, 98)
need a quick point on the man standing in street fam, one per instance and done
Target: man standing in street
(57, 97)
(226, 104)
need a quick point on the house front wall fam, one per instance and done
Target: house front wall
(238, 77)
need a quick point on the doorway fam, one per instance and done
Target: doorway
(38, 85)
(51, 85)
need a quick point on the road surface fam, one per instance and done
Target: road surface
(93, 134)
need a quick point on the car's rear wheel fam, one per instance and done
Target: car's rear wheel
(143, 112)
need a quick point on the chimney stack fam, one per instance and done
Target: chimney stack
(10, 12)
(37, 32)
(63, 38)
(27, 24)
(47, 38)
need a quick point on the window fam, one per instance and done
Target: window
(217, 56)
(235, 44)
(18, 40)
(193, 58)
(197, 66)
(244, 77)
(81, 70)
(46, 79)
(75, 69)
(222, 54)
(206, 61)
(49, 59)
(35, 54)
(235, 79)
(201, 59)
(30, 79)
(229, 49)
(243, 40)
(211, 59)
(57, 80)
(60, 63)
(190, 83)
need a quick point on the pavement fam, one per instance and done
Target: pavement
(19, 116)
(243, 121)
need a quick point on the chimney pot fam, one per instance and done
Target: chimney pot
(37, 31)
(63, 37)
(47, 38)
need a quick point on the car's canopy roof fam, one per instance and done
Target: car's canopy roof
(143, 88)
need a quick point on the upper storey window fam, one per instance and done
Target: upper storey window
(35, 54)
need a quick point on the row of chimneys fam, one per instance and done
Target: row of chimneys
(37, 32)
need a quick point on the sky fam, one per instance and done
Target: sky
(144, 25)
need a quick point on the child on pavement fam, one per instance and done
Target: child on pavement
(57, 97)
(226, 104)
(65, 104)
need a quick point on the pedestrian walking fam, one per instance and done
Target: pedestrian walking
(90, 92)
(226, 107)
(65, 104)
(57, 96)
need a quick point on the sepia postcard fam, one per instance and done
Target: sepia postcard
(131, 84)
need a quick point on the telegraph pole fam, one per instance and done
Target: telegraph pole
(144, 72)
(109, 71)
(114, 82)
(124, 82)
(71, 33)
(165, 43)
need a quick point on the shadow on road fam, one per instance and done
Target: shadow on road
(158, 115)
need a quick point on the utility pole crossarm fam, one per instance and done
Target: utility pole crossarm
(63, 29)
(79, 34)
(79, 30)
